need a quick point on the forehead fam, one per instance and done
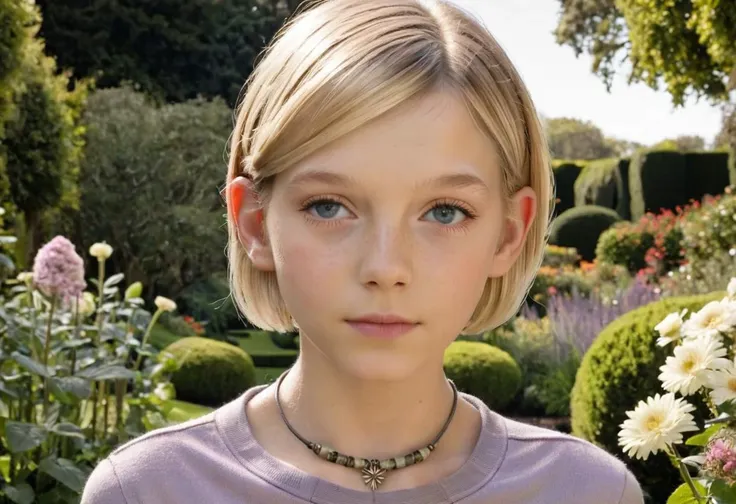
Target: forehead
(429, 137)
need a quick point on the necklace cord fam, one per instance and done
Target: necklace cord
(309, 444)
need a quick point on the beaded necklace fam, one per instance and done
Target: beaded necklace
(374, 471)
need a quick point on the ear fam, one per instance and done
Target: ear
(519, 217)
(246, 213)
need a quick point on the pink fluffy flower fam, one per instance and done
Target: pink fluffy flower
(58, 270)
(720, 457)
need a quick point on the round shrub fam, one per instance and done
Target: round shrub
(580, 227)
(210, 372)
(623, 244)
(487, 372)
(619, 370)
(287, 341)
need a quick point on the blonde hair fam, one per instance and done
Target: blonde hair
(342, 63)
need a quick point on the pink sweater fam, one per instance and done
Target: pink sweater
(215, 459)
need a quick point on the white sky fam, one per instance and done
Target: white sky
(563, 85)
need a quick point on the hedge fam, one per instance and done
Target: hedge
(565, 174)
(657, 180)
(580, 227)
(706, 173)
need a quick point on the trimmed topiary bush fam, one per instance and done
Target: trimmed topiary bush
(732, 167)
(601, 183)
(210, 372)
(657, 180)
(487, 372)
(580, 227)
(706, 173)
(565, 174)
(619, 370)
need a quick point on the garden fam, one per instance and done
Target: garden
(115, 311)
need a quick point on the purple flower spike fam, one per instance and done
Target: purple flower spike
(58, 270)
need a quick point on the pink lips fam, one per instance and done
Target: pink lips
(382, 326)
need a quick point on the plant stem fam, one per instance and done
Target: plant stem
(47, 347)
(106, 395)
(145, 338)
(100, 296)
(686, 475)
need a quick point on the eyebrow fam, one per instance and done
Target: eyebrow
(450, 180)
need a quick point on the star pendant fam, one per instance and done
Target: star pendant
(373, 475)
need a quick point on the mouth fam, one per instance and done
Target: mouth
(382, 326)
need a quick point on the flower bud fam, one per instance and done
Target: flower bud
(134, 290)
(101, 251)
(165, 304)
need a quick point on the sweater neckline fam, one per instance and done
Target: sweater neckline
(484, 461)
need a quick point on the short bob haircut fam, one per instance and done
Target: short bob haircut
(342, 63)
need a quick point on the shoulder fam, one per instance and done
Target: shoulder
(147, 460)
(564, 460)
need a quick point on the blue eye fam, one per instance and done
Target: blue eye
(447, 214)
(324, 209)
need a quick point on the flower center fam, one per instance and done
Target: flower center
(654, 421)
(712, 321)
(732, 384)
(688, 364)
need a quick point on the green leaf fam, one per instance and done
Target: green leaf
(108, 372)
(702, 438)
(4, 411)
(722, 492)
(8, 240)
(68, 430)
(23, 436)
(70, 389)
(32, 365)
(114, 280)
(20, 494)
(64, 471)
(683, 495)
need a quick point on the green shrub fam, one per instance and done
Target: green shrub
(211, 372)
(601, 183)
(565, 174)
(285, 340)
(711, 229)
(555, 256)
(622, 244)
(619, 370)
(657, 180)
(488, 373)
(580, 227)
(732, 167)
(706, 173)
(563, 280)
(209, 300)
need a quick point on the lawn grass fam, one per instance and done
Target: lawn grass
(268, 375)
(161, 337)
(182, 411)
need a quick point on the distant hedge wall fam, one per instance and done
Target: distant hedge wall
(565, 174)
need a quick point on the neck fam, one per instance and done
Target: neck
(364, 418)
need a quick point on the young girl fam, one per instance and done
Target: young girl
(388, 188)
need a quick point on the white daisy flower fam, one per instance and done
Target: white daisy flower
(713, 319)
(688, 370)
(655, 424)
(669, 328)
(723, 383)
(731, 289)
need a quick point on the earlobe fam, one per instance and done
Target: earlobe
(518, 221)
(246, 214)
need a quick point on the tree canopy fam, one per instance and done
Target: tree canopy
(172, 49)
(575, 139)
(688, 45)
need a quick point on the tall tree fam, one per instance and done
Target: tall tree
(575, 139)
(689, 45)
(172, 49)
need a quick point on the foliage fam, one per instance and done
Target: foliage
(178, 325)
(682, 143)
(687, 44)
(488, 373)
(575, 139)
(285, 340)
(555, 256)
(604, 182)
(15, 17)
(149, 182)
(580, 227)
(653, 243)
(173, 49)
(209, 299)
(657, 181)
(551, 281)
(621, 368)
(700, 277)
(43, 143)
(711, 230)
(210, 372)
(72, 386)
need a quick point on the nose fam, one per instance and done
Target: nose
(386, 258)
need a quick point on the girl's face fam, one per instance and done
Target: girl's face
(402, 218)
